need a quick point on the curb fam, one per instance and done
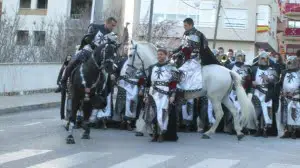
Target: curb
(29, 108)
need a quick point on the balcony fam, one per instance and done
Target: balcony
(292, 9)
(292, 34)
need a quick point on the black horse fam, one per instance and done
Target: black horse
(88, 87)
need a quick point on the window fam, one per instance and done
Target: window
(294, 24)
(39, 38)
(42, 4)
(294, 1)
(236, 18)
(25, 3)
(22, 37)
(263, 15)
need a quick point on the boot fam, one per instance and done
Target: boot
(294, 134)
(58, 89)
(286, 134)
(258, 133)
(265, 132)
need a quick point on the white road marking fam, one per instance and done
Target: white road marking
(71, 160)
(143, 161)
(278, 165)
(214, 163)
(8, 157)
(35, 123)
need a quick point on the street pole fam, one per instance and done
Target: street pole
(93, 12)
(217, 25)
(150, 21)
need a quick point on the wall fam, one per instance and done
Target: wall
(22, 77)
(172, 7)
(271, 20)
(56, 10)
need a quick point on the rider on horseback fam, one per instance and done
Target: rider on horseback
(194, 44)
(88, 44)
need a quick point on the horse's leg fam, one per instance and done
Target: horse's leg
(87, 111)
(229, 104)
(72, 119)
(219, 114)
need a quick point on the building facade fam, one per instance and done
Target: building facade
(243, 24)
(291, 35)
(72, 14)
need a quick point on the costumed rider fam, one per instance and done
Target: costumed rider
(290, 98)
(195, 48)
(264, 78)
(88, 44)
(244, 71)
(159, 97)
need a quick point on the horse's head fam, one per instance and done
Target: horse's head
(105, 56)
(141, 55)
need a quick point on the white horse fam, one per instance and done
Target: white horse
(140, 57)
(217, 82)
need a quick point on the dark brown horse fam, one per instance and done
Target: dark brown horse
(88, 89)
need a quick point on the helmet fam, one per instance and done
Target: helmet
(240, 56)
(263, 58)
(291, 62)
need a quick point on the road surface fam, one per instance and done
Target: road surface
(36, 139)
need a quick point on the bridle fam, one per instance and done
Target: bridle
(101, 69)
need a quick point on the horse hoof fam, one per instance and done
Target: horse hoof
(139, 134)
(70, 140)
(85, 136)
(204, 136)
(240, 137)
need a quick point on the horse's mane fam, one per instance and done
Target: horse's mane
(147, 52)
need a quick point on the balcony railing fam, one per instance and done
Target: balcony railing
(292, 32)
(292, 8)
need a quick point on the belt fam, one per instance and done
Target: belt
(160, 83)
(161, 91)
(260, 88)
(293, 99)
(125, 78)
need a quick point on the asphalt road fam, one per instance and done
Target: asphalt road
(36, 139)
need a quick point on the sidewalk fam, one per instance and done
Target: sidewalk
(14, 104)
(11, 104)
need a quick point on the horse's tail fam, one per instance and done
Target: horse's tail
(248, 117)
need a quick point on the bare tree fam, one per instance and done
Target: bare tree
(162, 33)
(52, 43)
(8, 32)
